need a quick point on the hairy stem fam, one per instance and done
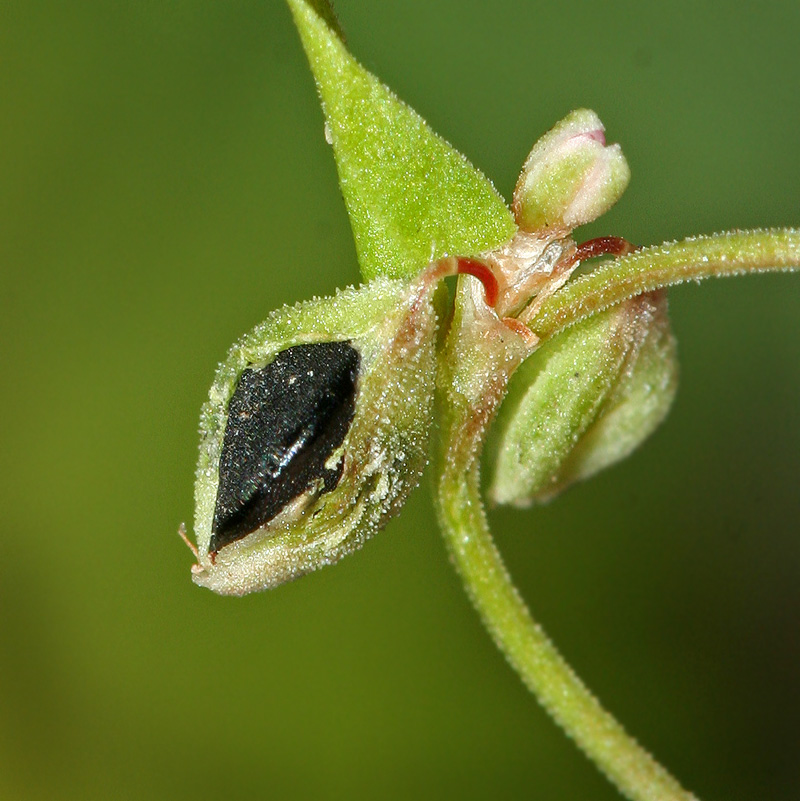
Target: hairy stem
(526, 646)
(478, 358)
(734, 253)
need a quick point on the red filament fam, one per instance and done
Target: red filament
(480, 271)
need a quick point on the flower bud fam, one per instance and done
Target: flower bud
(571, 176)
(584, 401)
(315, 431)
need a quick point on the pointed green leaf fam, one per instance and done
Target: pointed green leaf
(411, 197)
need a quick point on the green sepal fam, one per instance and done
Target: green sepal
(585, 400)
(393, 326)
(412, 198)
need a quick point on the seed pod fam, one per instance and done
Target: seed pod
(284, 422)
(584, 401)
(571, 176)
(315, 431)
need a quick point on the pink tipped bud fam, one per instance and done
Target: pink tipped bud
(571, 176)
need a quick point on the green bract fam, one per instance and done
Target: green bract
(392, 325)
(411, 197)
(584, 400)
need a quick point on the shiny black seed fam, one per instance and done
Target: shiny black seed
(284, 421)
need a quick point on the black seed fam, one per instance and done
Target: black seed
(284, 421)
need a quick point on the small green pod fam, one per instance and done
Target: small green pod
(315, 432)
(584, 401)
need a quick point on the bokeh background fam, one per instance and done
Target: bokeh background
(164, 183)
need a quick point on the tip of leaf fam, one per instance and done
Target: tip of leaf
(323, 9)
(412, 198)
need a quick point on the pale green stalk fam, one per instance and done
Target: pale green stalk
(693, 259)
(526, 646)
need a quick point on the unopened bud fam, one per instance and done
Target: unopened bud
(584, 401)
(571, 176)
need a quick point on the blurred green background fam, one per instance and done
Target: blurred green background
(164, 183)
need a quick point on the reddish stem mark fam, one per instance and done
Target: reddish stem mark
(480, 271)
(521, 329)
(603, 245)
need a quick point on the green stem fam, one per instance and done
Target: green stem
(644, 270)
(477, 359)
(529, 650)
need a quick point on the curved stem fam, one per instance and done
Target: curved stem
(477, 359)
(734, 253)
(529, 650)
